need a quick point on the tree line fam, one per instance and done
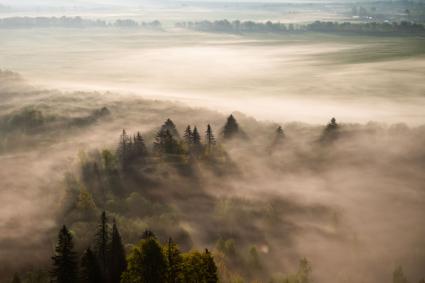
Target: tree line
(72, 22)
(403, 27)
(148, 261)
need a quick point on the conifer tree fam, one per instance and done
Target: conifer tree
(174, 262)
(89, 269)
(65, 266)
(209, 136)
(166, 143)
(331, 131)
(139, 147)
(146, 263)
(117, 260)
(196, 138)
(102, 243)
(209, 267)
(124, 149)
(188, 136)
(171, 127)
(231, 129)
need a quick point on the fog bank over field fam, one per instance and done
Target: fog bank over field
(282, 78)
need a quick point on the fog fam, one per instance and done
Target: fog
(352, 204)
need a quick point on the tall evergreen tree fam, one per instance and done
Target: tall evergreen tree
(146, 263)
(117, 260)
(139, 147)
(210, 269)
(231, 129)
(65, 265)
(89, 269)
(331, 131)
(102, 244)
(171, 127)
(188, 135)
(166, 143)
(124, 149)
(174, 262)
(196, 138)
(209, 136)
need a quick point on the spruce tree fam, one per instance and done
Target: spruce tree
(89, 269)
(209, 136)
(124, 149)
(331, 131)
(139, 147)
(146, 263)
(65, 266)
(174, 262)
(102, 243)
(188, 136)
(196, 138)
(171, 127)
(209, 267)
(117, 260)
(231, 129)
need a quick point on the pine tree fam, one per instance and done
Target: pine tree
(65, 266)
(188, 135)
(171, 127)
(209, 137)
(209, 267)
(102, 243)
(231, 128)
(90, 270)
(117, 260)
(146, 263)
(331, 131)
(124, 149)
(196, 138)
(139, 147)
(166, 143)
(174, 262)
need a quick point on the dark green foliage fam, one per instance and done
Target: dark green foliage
(165, 143)
(124, 151)
(116, 260)
(139, 150)
(171, 128)
(188, 136)
(209, 137)
(210, 269)
(102, 243)
(65, 267)
(89, 268)
(199, 268)
(146, 263)
(174, 262)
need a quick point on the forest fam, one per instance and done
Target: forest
(368, 28)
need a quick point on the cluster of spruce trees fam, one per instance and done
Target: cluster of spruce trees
(147, 262)
(168, 142)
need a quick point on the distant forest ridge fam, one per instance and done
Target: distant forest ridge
(72, 22)
(238, 27)
(223, 26)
